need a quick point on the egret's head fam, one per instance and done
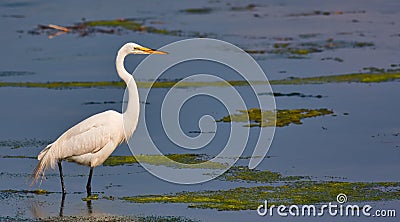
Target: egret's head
(133, 48)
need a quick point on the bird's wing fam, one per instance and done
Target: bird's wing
(88, 136)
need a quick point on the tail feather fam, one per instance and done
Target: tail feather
(46, 159)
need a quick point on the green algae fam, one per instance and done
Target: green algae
(38, 191)
(355, 77)
(244, 174)
(124, 23)
(255, 117)
(198, 10)
(299, 192)
(119, 160)
(170, 160)
(91, 197)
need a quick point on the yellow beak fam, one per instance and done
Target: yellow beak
(151, 51)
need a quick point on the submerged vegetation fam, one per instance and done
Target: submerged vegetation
(15, 73)
(244, 174)
(268, 118)
(299, 193)
(170, 160)
(302, 49)
(24, 143)
(39, 191)
(197, 10)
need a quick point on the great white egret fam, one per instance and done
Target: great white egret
(91, 141)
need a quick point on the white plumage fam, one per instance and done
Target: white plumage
(92, 141)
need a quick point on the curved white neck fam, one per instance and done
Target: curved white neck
(131, 114)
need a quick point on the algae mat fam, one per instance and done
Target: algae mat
(299, 193)
(355, 77)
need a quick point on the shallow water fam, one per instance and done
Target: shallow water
(360, 143)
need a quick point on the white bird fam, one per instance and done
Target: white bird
(92, 141)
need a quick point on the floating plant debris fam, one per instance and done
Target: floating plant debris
(299, 193)
(257, 118)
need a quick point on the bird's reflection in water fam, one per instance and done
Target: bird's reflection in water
(89, 207)
(35, 208)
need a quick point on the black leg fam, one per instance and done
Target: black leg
(61, 178)
(61, 214)
(88, 186)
